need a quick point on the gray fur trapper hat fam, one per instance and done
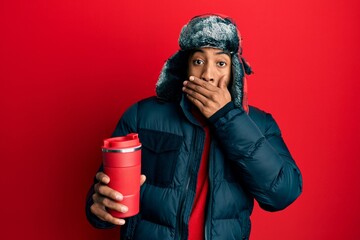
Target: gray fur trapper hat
(208, 30)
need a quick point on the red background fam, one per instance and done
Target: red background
(69, 69)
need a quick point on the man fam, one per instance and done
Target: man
(206, 154)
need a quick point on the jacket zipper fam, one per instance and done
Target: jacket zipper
(180, 225)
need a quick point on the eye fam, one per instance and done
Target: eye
(198, 62)
(221, 64)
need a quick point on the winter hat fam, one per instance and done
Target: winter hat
(208, 30)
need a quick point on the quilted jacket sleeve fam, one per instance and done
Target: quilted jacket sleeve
(126, 125)
(265, 165)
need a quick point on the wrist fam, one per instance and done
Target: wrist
(221, 112)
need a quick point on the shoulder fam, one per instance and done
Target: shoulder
(154, 110)
(154, 104)
(257, 115)
(263, 120)
(150, 113)
(149, 104)
(139, 108)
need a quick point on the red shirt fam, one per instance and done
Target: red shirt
(197, 217)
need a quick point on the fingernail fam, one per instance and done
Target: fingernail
(191, 78)
(185, 82)
(183, 88)
(121, 221)
(124, 209)
(105, 180)
(119, 197)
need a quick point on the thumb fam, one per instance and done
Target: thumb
(142, 179)
(222, 83)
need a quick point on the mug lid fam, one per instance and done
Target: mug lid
(128, 141)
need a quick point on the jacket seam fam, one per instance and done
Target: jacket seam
(221, 122)
(254, 147)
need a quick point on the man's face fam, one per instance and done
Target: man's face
(211, 65)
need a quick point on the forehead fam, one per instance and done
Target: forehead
(208, 51)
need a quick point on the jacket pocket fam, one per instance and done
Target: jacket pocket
(160, 151)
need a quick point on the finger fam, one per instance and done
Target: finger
(109, 203)
(142, 179)
(222, 83)
(102, 177)
(195, 79)
(204, 84)
(197, 91)
(194, 96)
(101, 213)
(196, 102)
(108, 192)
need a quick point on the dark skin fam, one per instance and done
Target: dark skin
(106, 197)
(209, 71)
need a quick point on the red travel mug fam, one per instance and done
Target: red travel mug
(122, 163)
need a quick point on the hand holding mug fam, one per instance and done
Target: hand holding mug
(107, 198)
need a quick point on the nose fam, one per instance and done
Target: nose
(207, 73)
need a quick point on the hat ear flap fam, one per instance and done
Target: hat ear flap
(237, 83)
(247, 68)
(173, 73)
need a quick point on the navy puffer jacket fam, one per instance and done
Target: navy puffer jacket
(248, 160)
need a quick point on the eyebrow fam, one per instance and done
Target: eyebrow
(217, 53)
